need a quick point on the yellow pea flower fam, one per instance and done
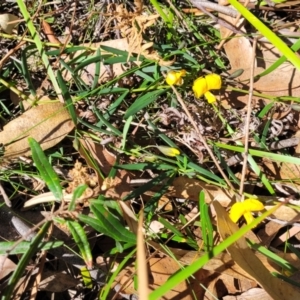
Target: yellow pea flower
(168, 151)
(245, 208)
(203, 85)
(175, 77)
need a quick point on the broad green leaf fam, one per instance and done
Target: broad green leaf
(81, 241)
(24, 246)
(107, 223)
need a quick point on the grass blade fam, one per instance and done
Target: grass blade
(45, 169)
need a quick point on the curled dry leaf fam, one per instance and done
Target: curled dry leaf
(48, 124)
(7, 22)
(49, 33)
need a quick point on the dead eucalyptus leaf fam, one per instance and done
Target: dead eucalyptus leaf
(57, 282)
(283, 81)
(48, 124)
(161, 269)
(189, 188)
(6, 266)
(7, 23)
(247, 260)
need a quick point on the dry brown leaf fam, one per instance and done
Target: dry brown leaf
(225, 284)
(247, 260)
(7, 22)
(106, 72)
(252, 294)
(268, 232)
(117, 187)
(161, 269)
(102, 156)
(281, 170)
(6, 266)
(284, 81)
(238, 49)
(111, 71)
(129, 216)
(49, 33)
(48, 124)
(57, 282)
(189, 188)
(284, 213)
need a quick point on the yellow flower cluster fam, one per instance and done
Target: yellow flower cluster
(201, 86)
(245, 208)
(168, 151)
(175, 77)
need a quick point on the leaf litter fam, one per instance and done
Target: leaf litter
(171, 120)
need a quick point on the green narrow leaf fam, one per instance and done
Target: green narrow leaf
(142, 102)
(108, 223)
(97, 70)
(23, 247)
(199, 263)
(90, 60)
(125, 131)
(111, 221)
(81, 241)
(267, 33)
(295, 47)
(149, 185)
(272, 256)
(107, 288)
(206, 226)
(25, 70)
(86, 277)
(45, 169)
(78, 192)
(114, 51)
(67, 97)
(24, 261)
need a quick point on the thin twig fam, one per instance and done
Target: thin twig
(226, 10)
(218, 20)
(4, 195)
(247, 125)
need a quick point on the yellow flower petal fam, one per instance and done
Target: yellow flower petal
(236, 211)
(200, 87)
(175, 77)
(248, 217)
(214, 81)
(211, 98)
(168, 151)
(253, 205)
